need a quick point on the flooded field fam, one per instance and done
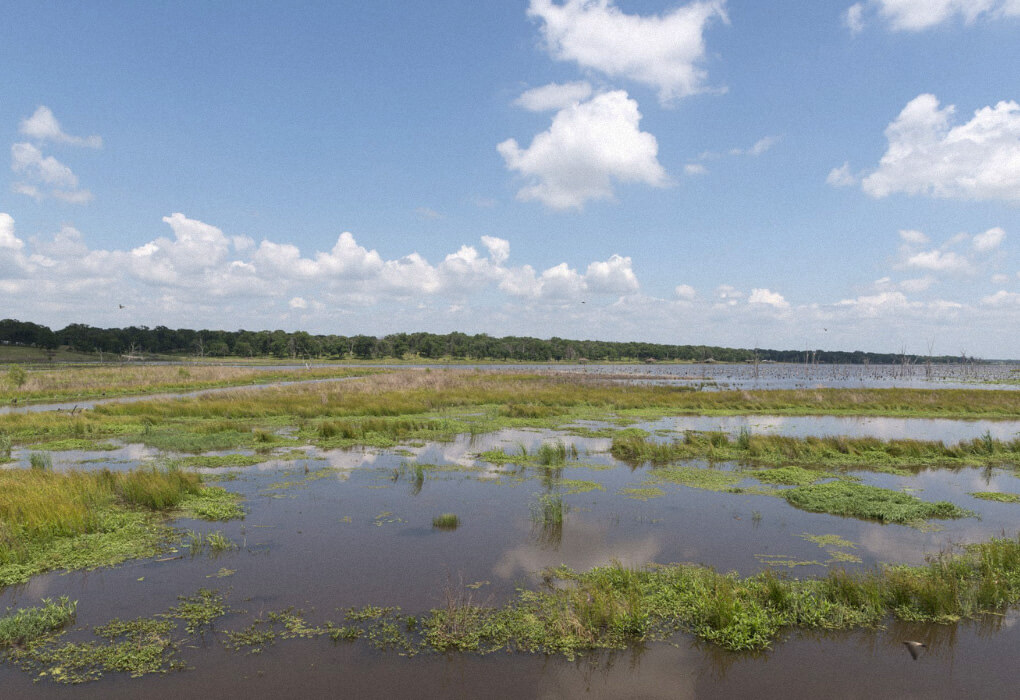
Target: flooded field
(343, 529)
(326, 585)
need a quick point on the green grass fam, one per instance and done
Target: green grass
(83, 520)
(869, 503)
(789, 476)
(40, 461)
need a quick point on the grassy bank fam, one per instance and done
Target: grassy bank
(106, 381)
(84, 520)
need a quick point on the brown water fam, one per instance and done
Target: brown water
(355, 529)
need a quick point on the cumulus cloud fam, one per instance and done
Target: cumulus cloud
(989, 240)
(768, 298)
(587, 147)
(8, 240)
(1002, 298)
(685, 291)
(665, 52)
(918, 15)
(554, 97)
(695, 169)
(927, 155)
(43, 126)
(939, 261)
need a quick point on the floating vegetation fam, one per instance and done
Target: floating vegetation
(870, 503)
(790, 476)
(446, 521)
(641, 493)
(835, 546)
(212, 503)
(135, 647)
(575, 486)
(997, 496)
(696, 477)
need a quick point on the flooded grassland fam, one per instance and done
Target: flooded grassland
(437, 532)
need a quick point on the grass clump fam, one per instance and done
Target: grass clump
(869, 503)
(446, 521)
(5, 447)
(40, 461)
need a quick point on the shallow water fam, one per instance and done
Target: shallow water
(347, 528)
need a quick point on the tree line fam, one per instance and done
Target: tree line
(141, 340)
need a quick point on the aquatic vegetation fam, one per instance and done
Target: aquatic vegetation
(136, 647)
(641, 493)
(575, 486)
(5, 447)
(41, 461)
(611, 607)
(446, 521)
(997, 496)
(815, 452)
(83, 520)
(28, 624)
(696, 477)
(790, 476)
(869, 503)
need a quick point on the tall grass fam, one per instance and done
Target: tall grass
(37, 506)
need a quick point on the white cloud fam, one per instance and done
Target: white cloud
(554, 97)
(29, 160)
(297, 303)
(685, 291)
(918, 15)
(1002, 298)
(939, 261)
(62, 183)
(841, 176)
(695, 169)
(913, 237)
(662, 51)
(853, 18)
(769, 298)
(978, 160)
(43, 126)
(8, 240)
(587, 146)
(499, 249)
(989, 240)
(614, 276)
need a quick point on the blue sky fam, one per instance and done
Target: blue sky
(797, 175)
